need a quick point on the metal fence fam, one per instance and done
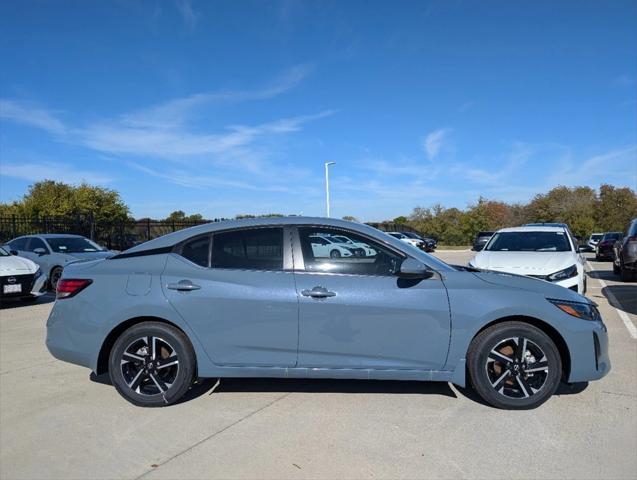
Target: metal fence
(116, 235)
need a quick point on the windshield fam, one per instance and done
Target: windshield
(612, 236)
(73, 245)
(340, 239)
(596, 237)
(529, 242)
(4, 253)
(397, 235)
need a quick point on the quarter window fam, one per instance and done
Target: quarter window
(197, 250)
(336, 251)
(258, 249)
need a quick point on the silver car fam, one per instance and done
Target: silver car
(254, 298)
(52, 252)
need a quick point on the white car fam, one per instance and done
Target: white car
(547, 253)
(369, 251)
(404, 238)
(593, 240)
(20, 278)
(324, 246)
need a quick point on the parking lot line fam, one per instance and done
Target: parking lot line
(630, 326)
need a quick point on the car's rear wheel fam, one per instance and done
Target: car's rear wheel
(54, 277)
(335, 254)
(514, 365)
(625, 275)
(616, 269)
(152, 364)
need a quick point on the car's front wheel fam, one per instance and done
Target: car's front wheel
(152, 364)
(514, 365)
(54, 277)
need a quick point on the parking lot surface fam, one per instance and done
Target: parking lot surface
(58, 422)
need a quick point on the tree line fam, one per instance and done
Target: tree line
(585, 209)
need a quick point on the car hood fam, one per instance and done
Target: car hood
(16, 265)
(547, 289)
(524, 263)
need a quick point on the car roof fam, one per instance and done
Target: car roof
(59, 235)
(532, 229)
(173, 238)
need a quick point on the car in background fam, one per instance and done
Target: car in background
(326, 246)
(481, 240)
(625, 262)
(605, 249)
(545, 253)
(593, 240)
(414, 242)
(52, 252)
(349, 243)
(428, 244)
(249, 298)
(20, 278)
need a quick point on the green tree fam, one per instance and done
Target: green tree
(180, 216)
(615, 208)
(49, 197)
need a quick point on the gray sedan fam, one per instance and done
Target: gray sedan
(253, 298)
(52, 252)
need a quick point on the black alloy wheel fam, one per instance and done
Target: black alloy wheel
(514, 365)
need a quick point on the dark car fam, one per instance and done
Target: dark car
(605, 248)
(481, 240)
(428, 244)
(625, 262)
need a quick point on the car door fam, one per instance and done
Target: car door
(355, 312)
(236, 291)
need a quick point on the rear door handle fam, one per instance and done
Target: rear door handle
(318, 292)
(183, 286)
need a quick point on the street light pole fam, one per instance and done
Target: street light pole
(327, 187)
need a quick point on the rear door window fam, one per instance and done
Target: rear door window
(251, 249)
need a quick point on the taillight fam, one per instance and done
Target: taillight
(68, 287)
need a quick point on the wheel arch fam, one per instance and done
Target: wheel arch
(545, 327)
(109, 341)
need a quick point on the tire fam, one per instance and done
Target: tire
(335, 254)
(597, 258)
(625, 275)
(54, 277)
(496, 381)
(146, 382)
(616, 269)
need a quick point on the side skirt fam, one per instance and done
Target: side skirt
(339, 373)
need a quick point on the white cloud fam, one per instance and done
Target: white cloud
(434, 142)
(29, 115)
(187, 12)
(34, 172)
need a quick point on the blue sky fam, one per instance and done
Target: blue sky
(231, 107)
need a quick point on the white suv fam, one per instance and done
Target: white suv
(547, 253)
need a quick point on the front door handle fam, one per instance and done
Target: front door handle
(183, 286)
(318, 292)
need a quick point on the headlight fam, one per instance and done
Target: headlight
(585, 311)
(569, 272)
(38, 273)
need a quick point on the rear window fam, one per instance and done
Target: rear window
(632, 231)
(612, 235)
(258, 249)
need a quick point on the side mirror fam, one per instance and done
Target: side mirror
(13, 252)
(412, 268)
(40, 251)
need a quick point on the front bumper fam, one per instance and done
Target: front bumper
(589, 353)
